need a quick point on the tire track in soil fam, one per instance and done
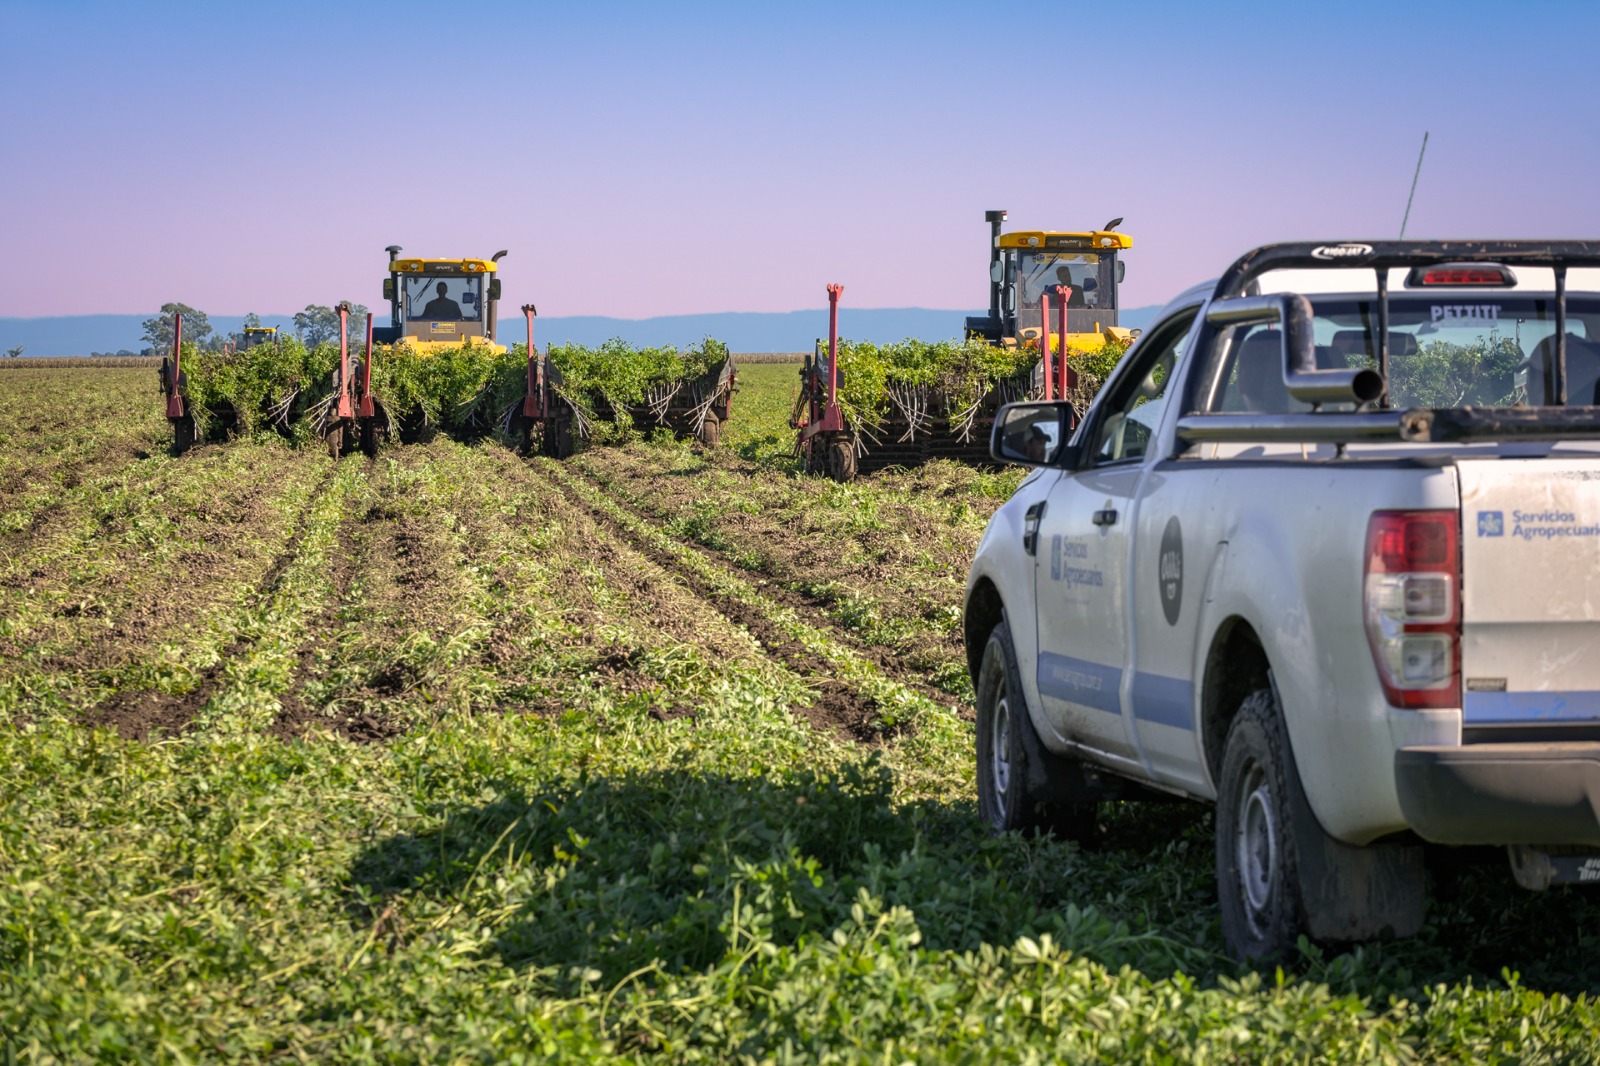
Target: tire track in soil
(814, 607)
(839, 707)
(135, 714)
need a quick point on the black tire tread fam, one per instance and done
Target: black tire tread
(1257, 731)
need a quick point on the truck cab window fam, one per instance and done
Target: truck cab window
(1134, 410)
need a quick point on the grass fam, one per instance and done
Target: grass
(452, 755)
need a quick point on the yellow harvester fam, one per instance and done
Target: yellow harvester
(1028, 264)
(440, 303)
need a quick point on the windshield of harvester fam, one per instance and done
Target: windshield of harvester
(443, 298)
(1090, 275)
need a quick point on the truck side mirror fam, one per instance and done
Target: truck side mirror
(1122, 270)
(997, 271)
(388, 290)
(494, 288)
(1032, 434)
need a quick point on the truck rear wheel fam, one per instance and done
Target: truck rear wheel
(1258, 883)
(1015, 771)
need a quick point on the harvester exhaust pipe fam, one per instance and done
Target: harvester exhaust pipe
(994, 218)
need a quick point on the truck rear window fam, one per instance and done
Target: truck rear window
(1445, 350)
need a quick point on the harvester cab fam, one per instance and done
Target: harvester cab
(1031, 271)
(440, 303)
(257, 335)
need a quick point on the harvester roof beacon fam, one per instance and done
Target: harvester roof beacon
(441, 303)
(1027, 266)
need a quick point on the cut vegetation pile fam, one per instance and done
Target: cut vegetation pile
(265, 386)
(626, 386)
(463, 390)
(960, 382)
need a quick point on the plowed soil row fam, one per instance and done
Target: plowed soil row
(299, 714)
(646, 595)
(840, 707)
(134, 714)
(790, 571)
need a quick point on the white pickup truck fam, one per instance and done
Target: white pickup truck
(1325, 550)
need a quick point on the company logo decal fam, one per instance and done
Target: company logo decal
(1341, 251)
(1491, 523)
(1171, 576)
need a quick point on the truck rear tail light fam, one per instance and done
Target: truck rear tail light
(1413, 615)
(1490, 274)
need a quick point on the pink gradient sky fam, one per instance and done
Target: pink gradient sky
(641, 160)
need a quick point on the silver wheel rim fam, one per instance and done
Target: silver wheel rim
(1256, 843)
(1000, 754)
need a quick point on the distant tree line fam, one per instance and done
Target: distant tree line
(315, 325)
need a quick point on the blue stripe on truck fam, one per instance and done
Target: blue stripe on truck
(1160, 700)
(1478, 708)
(1080, 681)
(1163, 700)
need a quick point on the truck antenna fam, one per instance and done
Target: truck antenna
(1416, 174)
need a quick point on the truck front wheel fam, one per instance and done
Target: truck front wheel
(1019, 781)
(1257, 880)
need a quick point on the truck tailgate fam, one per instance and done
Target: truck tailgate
(1530, 597)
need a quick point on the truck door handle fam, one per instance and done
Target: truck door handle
(1108, 517)
(1030, 528)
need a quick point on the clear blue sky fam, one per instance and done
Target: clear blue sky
(643, 159)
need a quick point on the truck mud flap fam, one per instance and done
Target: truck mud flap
(1354, 893)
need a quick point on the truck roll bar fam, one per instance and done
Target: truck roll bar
(1305, 381)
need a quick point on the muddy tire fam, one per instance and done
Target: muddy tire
(183, 434)
(710, 432)
(333, 437)
(557, 443)
(841, 460)
(1015, 771)
(371, 437)
(1258, 883)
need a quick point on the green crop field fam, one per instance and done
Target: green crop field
(656, 753)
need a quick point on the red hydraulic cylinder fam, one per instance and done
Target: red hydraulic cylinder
(366, 408)
(1068, 379)
(533, 402)
(834, 292)
(175, 398)
(1044, 344)
(832, 417)
(345, 408)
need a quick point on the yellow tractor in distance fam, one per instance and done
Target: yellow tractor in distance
(255, 335)
(1029, 265)
(440, 303)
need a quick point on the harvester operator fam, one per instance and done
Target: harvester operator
(441, 307)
